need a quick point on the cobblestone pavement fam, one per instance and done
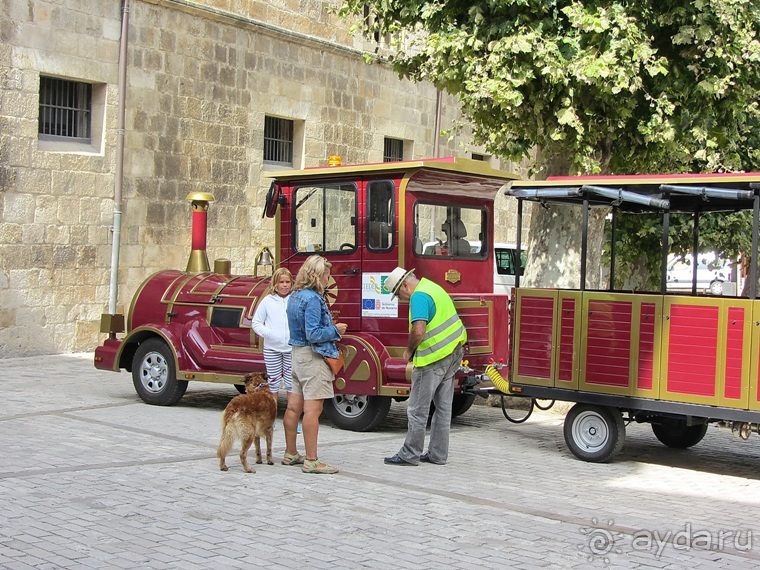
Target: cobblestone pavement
(91, 477)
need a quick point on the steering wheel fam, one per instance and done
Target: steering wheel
(345, 246)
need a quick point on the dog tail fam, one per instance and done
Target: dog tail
(225, 443)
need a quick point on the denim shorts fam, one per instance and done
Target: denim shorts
(312, 377)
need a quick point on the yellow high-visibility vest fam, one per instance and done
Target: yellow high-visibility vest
(444, 332)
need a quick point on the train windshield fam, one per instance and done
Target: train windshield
(325, 218)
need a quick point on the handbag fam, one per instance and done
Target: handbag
(336, 364)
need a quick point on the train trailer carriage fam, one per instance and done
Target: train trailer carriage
(366, 220)
(676, 361)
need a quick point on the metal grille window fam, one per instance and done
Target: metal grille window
(393, 150)
(65, 110)
(278, 141)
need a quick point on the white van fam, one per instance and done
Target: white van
(713, 275)
(505, 265)
(505, 262)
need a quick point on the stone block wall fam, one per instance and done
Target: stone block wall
(201, 77)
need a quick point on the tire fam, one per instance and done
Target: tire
(461, 403)
(154, 374)
(594, 433)
(716, 287)
(676, 434)
(357, 413)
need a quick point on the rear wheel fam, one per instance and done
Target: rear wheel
(154, 374)
(461, 403)
(594, 433)
(357, 413)
(675, 433)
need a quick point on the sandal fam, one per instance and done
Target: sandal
(292, 459)
(318, 466)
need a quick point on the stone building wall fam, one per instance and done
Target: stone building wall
(201, 77)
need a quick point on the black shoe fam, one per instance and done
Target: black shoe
(396, 460)
(425, 458)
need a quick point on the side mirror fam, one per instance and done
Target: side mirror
(272, 200)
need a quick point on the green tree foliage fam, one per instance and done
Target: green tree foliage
(619, 86)
(596, 86)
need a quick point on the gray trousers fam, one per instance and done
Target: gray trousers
(431, 383)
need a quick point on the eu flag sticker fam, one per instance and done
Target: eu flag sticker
(368, 304)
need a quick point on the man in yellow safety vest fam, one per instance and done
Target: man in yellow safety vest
(435, 347)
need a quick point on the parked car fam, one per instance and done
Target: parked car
(506, 267)
(712, 274)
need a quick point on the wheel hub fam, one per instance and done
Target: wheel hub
(590, 431)
(350, 405)
(154, 372)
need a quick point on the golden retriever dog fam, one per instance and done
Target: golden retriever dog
(248, 417)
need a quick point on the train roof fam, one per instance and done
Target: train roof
(447, 164)
(452, 176)
(646, 193)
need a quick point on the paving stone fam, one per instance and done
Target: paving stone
(94, 478)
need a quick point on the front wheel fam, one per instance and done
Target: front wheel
(357, 413)
(594, 433)
(154, 374)
(676, 434)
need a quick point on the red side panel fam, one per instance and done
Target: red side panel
(609, 343)
(566, 341)
(646, 347)
(692, 348)
(734, 349)
(535, 337)
(201, 288)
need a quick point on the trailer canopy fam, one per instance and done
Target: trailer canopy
(663, 194)
(639, 193)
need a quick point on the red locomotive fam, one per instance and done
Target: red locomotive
(433, 215)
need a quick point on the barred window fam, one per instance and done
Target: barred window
(65, 110)
(278, 141)
(393, 150)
